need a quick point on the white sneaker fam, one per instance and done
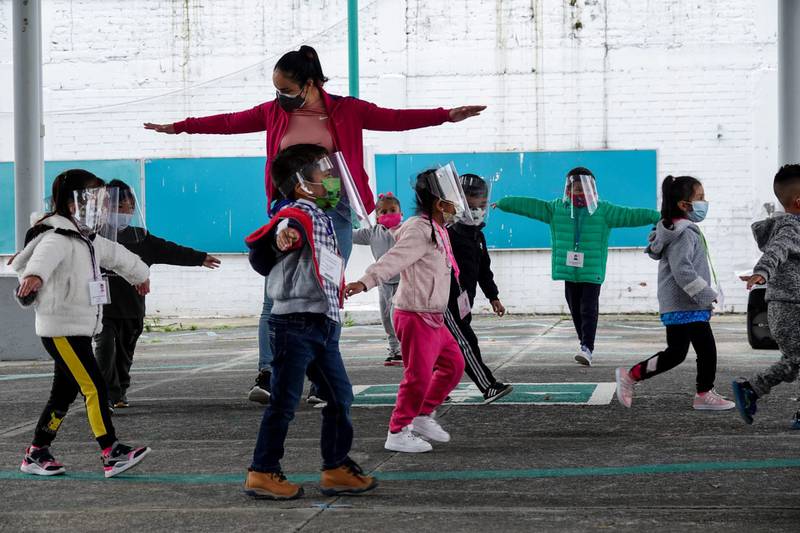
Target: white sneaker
(406, 441)
(429, 428)
(625, 384)
(584, 356)
(711, 401)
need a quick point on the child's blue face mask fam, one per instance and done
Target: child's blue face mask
(698, 212)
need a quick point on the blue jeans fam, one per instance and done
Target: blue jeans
(343, 229)
(305, 344)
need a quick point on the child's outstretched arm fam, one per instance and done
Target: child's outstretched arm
(44, 260)
(362, 236)
(409, 249)
(162, 251)
(486, 281)
(683, 271)
(113, 256)
(785, 241)
(618, 216)
(528, 207)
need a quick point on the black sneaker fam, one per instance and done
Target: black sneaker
(313, 399)
(495, 392)
(40, 461)
(393, 360)
(119, 458)
(260, 392)
(745, 398)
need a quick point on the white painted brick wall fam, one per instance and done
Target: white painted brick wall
(694, 80)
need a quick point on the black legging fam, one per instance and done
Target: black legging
(678, 339)
(75, 371)
(583, 301)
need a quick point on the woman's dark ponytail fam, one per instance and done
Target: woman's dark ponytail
(673, 191)
(302, 65)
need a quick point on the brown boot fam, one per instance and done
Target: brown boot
(270, 486)
(346, 479)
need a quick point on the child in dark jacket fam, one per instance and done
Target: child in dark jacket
(779, 267)
(123, 318)
(472, 257)
(298, 252)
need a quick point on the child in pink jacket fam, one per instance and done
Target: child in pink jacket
(423, 257)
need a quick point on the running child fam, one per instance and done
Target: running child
(299, 254)
(685, 295)
(579, 227)
(59, 272)
(432, 361)
(778, 237)
(123, 317)
(380, 239)
(474, 265)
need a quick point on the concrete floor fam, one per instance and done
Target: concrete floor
(659, 467)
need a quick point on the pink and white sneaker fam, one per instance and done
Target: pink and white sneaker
(711, 401)
(119, 458)
(625, 384)
(40, 462)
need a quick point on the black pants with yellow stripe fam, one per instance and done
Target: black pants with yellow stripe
(75, 371)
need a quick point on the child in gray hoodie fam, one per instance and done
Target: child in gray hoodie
(685, 296)
(778, 238)
(380, 239)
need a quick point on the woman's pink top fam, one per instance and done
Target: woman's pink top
(309, 125)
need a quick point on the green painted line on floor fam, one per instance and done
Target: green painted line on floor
(446, 475)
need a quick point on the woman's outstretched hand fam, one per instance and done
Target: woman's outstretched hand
(160, 128)
(354, 288)
(457, 114)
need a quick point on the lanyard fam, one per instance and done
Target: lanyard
(577, 233)
(708, 257)
(95, 269)
(448, 249)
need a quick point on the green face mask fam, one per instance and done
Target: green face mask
(333, 187)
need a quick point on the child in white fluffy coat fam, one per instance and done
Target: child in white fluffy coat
(57, 268)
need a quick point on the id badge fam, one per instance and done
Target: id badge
(331, 266)
(575, 259)
(98, 292)
(463, 304)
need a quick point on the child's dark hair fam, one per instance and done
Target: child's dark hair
(387, 198)
(580, 171)
(787, 184)
(290, 161)
(673, 191)
(425, 199)
(474, 185)
(125, 191)
(65, 185)
(302, 65)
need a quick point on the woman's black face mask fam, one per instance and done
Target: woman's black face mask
(291, 103)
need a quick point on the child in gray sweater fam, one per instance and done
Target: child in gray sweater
(778, 238)
(380, 239)
(685, 295)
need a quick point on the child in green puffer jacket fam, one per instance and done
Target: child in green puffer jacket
(579, 229)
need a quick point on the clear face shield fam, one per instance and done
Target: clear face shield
(581, 192)
(478, 193)
(324, 179)
(93, 208)
(445, 185)
(129, 223)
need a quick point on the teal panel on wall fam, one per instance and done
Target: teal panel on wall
(624, 177)
(210, 204)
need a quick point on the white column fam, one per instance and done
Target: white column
(28, 124)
